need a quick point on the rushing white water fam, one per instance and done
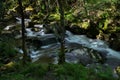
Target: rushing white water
(19, 20)
(33, 53)
(31, 33)
(8, 27)
(95, 44)
(38, 26)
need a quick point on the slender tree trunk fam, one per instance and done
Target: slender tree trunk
(1, 10)
(46, 11)
(85, 3)
(25, 55)
(62, 34)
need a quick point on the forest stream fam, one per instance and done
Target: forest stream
(59, 39)
(45, 47)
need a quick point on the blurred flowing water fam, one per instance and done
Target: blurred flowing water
(95, 44)
(49, 46)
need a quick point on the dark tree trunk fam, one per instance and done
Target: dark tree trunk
(62, 34)
(2, 10)
(25, 55)
(84, 4)
(46, 11)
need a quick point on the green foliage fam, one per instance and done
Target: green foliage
(35, 70)
(10, 77)
(83, 9)
(105, 15)
(69, 17)
(7, 50)
(54, 17)
(100, 73)
(2, 9)
(10, 4)
(32, 71)
(79, 72)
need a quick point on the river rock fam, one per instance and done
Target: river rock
(114, 41)
(79, 54)
(47, 28)
(43, 40)
(113, 62)
(92, 30)
(75, 29)
(115, 44)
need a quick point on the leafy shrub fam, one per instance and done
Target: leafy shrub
(71, 72)
(79, 72)
(7, 49)
(35, 70)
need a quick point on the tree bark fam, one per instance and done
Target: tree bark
(62, 34)
(2, 10)
(25, 55)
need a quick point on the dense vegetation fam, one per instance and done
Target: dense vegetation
(98, 19)
(37, 71)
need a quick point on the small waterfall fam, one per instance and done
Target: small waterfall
(19, 20)
(31, 33)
